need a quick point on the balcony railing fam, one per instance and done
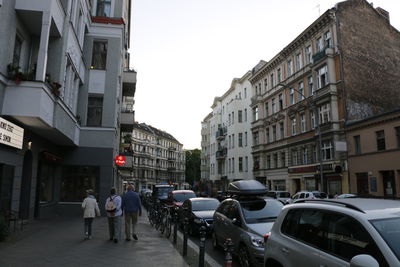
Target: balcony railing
(221, 133)
(221, 153)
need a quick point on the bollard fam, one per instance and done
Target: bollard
(185, 236)
(202, 245)
(228, 248)
(176, 221)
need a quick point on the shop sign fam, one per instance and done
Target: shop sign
(11, 134)
(120, 160)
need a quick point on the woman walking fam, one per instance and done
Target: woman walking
(90, 210)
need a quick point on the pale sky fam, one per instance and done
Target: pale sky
(186, 52)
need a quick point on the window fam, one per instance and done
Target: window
(246, 164)
(299, 62)
(245, 114)
(295, 157)
(17, 50)
(281, 130)
(315, 155)
(275, 160)
(245, 92)
(76, 179)
(95, 111)
(273, 105)
(327, 152)
(301, 91)
(259, 88)
(233, 117)
(266, 109)
(310, 86)
(103, 8)
(267, 137)
(255, 114)
(324, 113)
(279, 75)
(302, 123)
(233, 165)
(357, 145)
(233, 140)
(305, 155)
(274, 133)
(291, 96)
(397, 129)
(312, 118)
(229, 141)
(240, 164)
(272, 80)
(268, 162)
(380, 140)
(328, 39)
(289, 67)
(255, 138)
(245, 139)
(229, 119)
(240, 115)
(266, 85)
(319, 44)
(280, 102)
(308, 54)
(99, 56)
(294, 126)
(322, 77)
(240, 140)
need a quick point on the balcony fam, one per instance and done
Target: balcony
(221, 133)
(33, 105)
(128, 82)
(127, 120)
(221, 154)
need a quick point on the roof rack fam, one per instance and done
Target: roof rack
(323, 201)
(246, 188)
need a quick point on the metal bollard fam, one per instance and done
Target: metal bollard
(185, 236)
(176, 221)
(202, 245)
(229, 249)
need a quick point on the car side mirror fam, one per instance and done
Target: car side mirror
(363, 260)
(235, 221)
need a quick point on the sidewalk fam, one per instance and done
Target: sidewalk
(59, 242)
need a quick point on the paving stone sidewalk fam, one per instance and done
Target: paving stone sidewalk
(60, 242)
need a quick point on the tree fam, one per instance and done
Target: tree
(193, 161)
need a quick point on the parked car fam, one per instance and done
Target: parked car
(200, 212)
(346, 196)
(307, 195)
(245, 218)
(341, 232)
(177, 197)
(160, 191)
(282, 196)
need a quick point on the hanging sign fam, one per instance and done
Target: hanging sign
(120, 160)
(11, 134)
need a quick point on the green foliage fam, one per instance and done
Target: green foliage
(3, 228)
(193, 162)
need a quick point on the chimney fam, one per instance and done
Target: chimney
(383, 13)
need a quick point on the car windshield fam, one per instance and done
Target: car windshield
(180, 197)
(284, 194)
(207, 204)
(319, 194)
(163, 191)
(389, 229)
(260, 210)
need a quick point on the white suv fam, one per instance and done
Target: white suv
(347, 232)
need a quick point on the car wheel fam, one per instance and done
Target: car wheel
(243, 256)
(215, 241)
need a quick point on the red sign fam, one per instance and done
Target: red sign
(120, 160)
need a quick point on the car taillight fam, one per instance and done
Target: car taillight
(266, 236)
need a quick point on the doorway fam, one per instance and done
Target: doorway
(389, 184)
(24, 199)
(362, 183)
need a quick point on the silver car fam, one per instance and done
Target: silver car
(351, 232)
(245, 221)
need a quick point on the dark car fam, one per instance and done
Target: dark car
(200, 212)
(160, 191)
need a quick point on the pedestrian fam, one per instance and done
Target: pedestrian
(114, 213)
(90, 210)
(132, 207)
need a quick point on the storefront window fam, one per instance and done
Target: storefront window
(6, 184)
(77, 179)
(46, 178)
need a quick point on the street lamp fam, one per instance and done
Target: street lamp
(318, 127)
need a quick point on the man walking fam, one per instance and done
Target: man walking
(114, 213)
(132, 207)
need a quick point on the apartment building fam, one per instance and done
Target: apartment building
(205, 148)
(63, 79)
(157, 158)
(229, 132)
(374, 152)
(333, 73)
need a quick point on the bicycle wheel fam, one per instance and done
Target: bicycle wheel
(168, 227)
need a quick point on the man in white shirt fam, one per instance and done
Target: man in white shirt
(114, 213)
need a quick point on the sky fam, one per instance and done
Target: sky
(187, 52)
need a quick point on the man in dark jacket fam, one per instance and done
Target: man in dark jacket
(132, 208)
